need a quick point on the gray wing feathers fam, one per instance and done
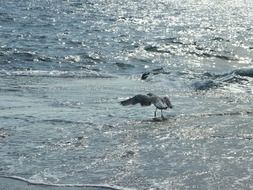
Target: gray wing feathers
(162, 103)
(141, 99)
(127, 102)
(159, 104)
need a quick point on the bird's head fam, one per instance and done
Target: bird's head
(167, 101)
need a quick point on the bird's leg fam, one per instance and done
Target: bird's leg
(162, 114)
(155, 112)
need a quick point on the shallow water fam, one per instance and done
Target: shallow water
(65, 65)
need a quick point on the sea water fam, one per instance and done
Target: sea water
(66, 65)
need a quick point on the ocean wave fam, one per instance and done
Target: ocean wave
(124, 66)
(176, 46)
(156, 49)
(247, 72)
(241, 74)
(5, 17)
(3, 133)
(204, 85)
(57, 74)
(38, 183)
(210, 80)
(206, 80)
(63, 121)
(14, 59)
(29, 56)
(156, 71)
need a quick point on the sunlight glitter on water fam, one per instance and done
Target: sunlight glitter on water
(66, 65)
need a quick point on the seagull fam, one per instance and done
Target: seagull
(161, 103)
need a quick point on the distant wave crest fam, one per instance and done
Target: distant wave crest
(57, 73)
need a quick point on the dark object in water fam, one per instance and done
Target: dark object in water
(154, 72)
(160, 103)
(145, 75)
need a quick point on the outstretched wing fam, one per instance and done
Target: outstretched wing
(144, 100)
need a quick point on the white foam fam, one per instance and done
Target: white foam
(33, 182)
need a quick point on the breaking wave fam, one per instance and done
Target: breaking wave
(32, 182)
(207, 80)
(210, 80)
